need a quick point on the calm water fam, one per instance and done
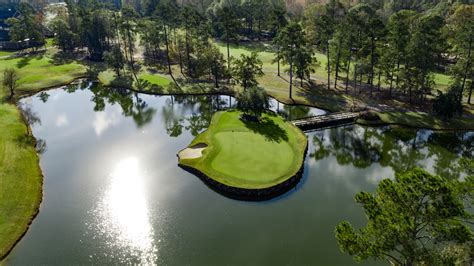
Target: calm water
(113, 192)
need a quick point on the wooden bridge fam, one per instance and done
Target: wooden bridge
(332, 119)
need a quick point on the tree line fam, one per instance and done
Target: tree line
(369, 46)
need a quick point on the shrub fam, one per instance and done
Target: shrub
(253, 101)
(447, 105)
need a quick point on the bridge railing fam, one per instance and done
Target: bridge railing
(335, 116)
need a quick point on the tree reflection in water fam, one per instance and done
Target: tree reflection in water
(193, 113)
(399, 148)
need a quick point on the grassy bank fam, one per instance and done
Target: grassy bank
(249, 155)
(107, 78)
(426, 120)
(20, 179)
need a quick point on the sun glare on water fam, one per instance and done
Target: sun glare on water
(124, 216)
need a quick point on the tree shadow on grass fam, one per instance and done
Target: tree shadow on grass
(25, 59)
(25, 141)
(318, 93)
(62, 58)
(267, 128)
(248, 46)
(23, 62)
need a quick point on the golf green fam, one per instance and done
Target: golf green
(245, 154)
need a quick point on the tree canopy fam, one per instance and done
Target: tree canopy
(412, 219)
(253, 101)
(247, 69)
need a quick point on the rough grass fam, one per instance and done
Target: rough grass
(20, 179)
(249, 155)
(320, 67)
(426, 120)
(278, 87)
(310, 94)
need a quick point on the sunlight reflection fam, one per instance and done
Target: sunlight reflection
(125, 218)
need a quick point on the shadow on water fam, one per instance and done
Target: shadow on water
(256, 195)
(267, 128)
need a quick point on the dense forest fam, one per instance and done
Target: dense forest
(371, 46)
(207, 69)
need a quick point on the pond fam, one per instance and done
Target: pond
(114, 194)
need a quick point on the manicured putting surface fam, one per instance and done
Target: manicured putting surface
(260, 159)
(250, 155)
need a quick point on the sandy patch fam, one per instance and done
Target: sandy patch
(192, 152)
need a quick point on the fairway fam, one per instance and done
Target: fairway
(40, 71)
(249, 155)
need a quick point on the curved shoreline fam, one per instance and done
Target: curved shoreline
(29, 93)
(36, 208)
(243, 194)
(228, 183)
(231, 192)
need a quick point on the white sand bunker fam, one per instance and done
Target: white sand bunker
(192, 152)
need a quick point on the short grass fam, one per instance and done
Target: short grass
(40, 71)
(442, 81)
(107, 76)
(5, 53)
(20, 179)
(249, 155)
(156, 79)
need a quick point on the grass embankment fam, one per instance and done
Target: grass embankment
(20, 178)
(108, 76)
(426, 120)
(249, 155)
(47, 69)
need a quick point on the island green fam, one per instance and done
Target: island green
(248, 154)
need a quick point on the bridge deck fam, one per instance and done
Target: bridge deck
(313, 122)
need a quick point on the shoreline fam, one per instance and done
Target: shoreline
(249, 194)
(231, 192)
(38, 202)
(225, 92)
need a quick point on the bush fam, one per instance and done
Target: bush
(253, 101)
(447, 105)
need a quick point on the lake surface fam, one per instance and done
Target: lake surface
(113, 192)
